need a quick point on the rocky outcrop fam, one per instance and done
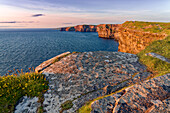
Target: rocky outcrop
(27, 105)
(80, 28)
(49, 62)
(151, 96)
(107, 30)
(158, 56)
(130, 41)
(81, 77)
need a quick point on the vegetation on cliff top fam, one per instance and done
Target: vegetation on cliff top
(12, 88)
(157, 66)
(152, 27)
(161, 47)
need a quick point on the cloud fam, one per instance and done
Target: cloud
(67, 23)
(13, 22)
(8, 22)
(37, 15)
(10, 26)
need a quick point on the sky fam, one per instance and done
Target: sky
(61, 13)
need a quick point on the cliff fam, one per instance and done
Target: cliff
(130, 40)
(132, 36)
(98, 82)
(80, 28)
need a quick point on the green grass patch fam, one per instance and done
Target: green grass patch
(152, 27)
(66, 105)
(157, 66)
(12, 88)
(161, 47)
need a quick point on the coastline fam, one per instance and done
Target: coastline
(112, 81)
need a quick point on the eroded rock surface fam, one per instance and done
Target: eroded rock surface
(81, 77)
(158, 56)
(130, 40)
(27, 105)
(151, 96)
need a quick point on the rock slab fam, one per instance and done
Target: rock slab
(151, 96)
(81, 77)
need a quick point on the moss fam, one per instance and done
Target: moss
(66, 105)
(58, 59)
(87, 107)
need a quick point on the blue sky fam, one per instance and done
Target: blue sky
(57, 13)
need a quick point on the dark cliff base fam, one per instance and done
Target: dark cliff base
(80, 28)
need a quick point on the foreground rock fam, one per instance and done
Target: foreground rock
(151, 96)
(27, 105)
(158, 56)
(49, 62)
(81, 77)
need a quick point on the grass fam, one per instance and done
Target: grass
(156, 66)
(161, 47)
(12, 88)
(66, 105)
(87, 107)
(152, 27)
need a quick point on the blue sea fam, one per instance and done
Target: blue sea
(25, 48)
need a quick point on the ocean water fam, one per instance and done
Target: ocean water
(24, 48)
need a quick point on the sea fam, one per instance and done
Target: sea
(27, 48)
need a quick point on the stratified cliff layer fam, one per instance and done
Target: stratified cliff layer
(130, 40)
(132, 36)
(80, 28)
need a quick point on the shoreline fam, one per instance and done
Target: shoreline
(103, 81)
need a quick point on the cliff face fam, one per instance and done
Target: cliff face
(67, 29)
(132, 38)
(130, 41)
(107, 30)
(80, 28)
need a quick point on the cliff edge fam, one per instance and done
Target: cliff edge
(132, 36)
(80, 28)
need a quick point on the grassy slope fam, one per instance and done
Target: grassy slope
(154, 65)
(12, 88)
(161, 47)
(153, 27)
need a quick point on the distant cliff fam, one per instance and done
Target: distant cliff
(80, 28)
(131, 36)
